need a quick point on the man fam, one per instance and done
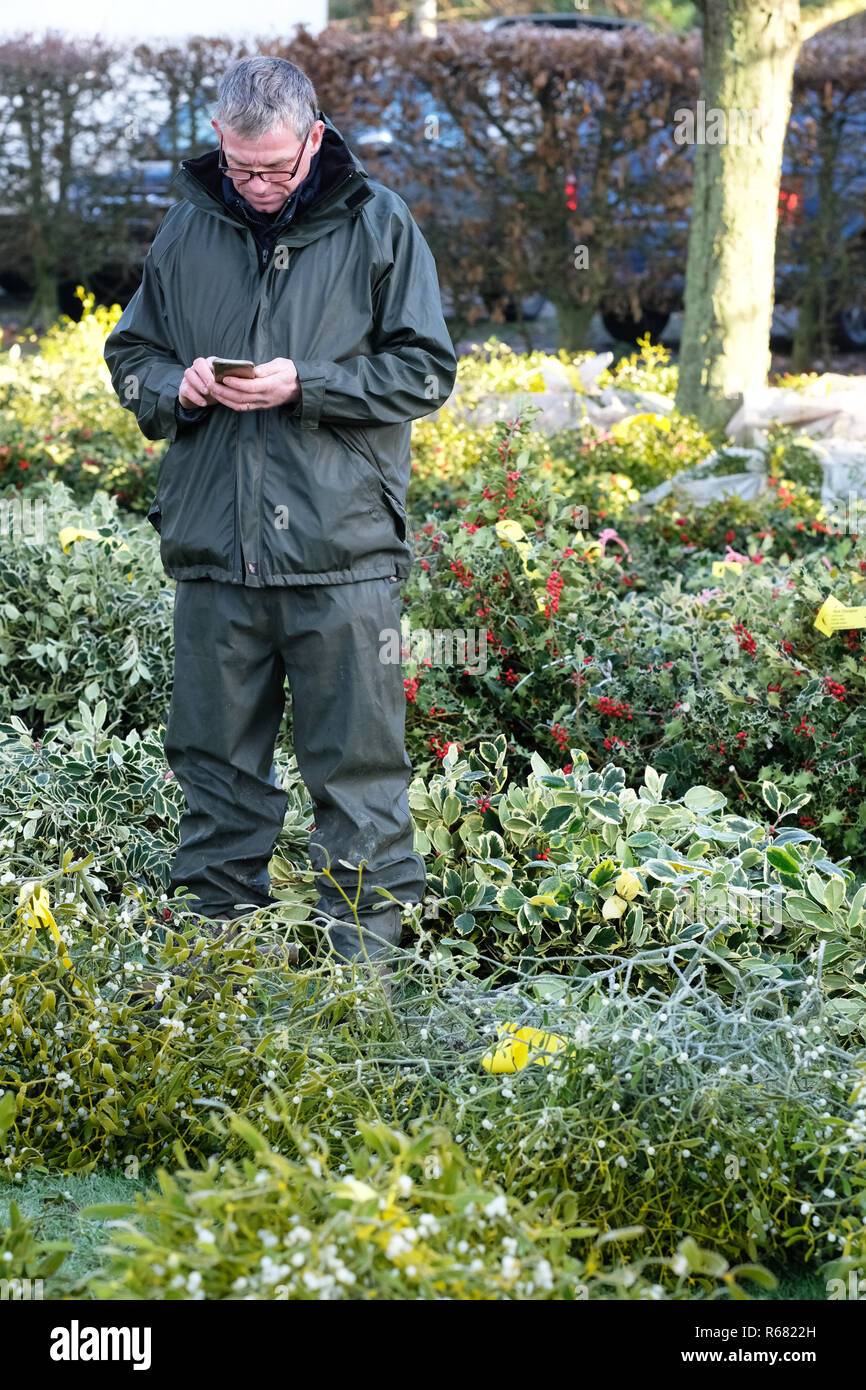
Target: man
(281, 503)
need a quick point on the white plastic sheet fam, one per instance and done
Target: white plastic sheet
(830, 419)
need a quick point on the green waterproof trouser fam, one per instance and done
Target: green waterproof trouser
(234, 647)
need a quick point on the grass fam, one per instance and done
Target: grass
(54, 1203)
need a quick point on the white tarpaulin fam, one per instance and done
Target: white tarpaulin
(830, 419)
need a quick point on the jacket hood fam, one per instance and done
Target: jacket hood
(335, 169)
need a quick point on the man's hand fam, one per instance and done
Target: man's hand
(275, 383)
(197, 384)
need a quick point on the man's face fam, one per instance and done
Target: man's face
(276, 150)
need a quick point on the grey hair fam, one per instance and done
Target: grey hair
(256, 95)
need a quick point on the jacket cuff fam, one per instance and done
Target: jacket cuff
(188, 415)
(313, 383)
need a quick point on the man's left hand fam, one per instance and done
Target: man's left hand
(275, 383)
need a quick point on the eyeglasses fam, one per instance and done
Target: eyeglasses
(266, 175)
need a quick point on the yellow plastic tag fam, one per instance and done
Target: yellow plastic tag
(35, 905)
(591, 548)
(72, 533)
(720, 566)
(511, 1053)
(510, 532)
(833, 616)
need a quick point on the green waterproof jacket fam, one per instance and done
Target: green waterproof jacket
(308, 493)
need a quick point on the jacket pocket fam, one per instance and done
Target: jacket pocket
(195, 503)
(398, 511)
(363, 459)
(356, 441)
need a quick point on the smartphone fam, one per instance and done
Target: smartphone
(231, 366)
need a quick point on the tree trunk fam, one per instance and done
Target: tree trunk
(750, 48)
(572, 322)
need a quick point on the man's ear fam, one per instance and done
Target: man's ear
(217, 129)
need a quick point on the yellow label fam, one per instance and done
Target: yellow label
(72, 533)
(591, 548)
(833, 616)
(720, 566)
(510, 532)
(35, 905)
(512, 1053)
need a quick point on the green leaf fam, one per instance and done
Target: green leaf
(782, 860)
(441, 839)
(556, 817)
(248, 1133)
(772, 796)
(539, 766)
(856, 910)
(510, 898)
(7, 1111)
(701, 799)
(550, 987)
(702, 1261)
(657, 869)
(815, 885)
(757, 1273)
(467, 947)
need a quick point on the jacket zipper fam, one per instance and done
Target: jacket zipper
(264, 307)
(240, 558)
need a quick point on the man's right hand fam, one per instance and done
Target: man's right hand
(194, 390)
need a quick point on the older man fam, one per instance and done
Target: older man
(281, 503)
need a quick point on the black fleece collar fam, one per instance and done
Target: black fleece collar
(330, 167)
(266, 226)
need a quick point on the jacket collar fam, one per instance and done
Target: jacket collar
(307, 213)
